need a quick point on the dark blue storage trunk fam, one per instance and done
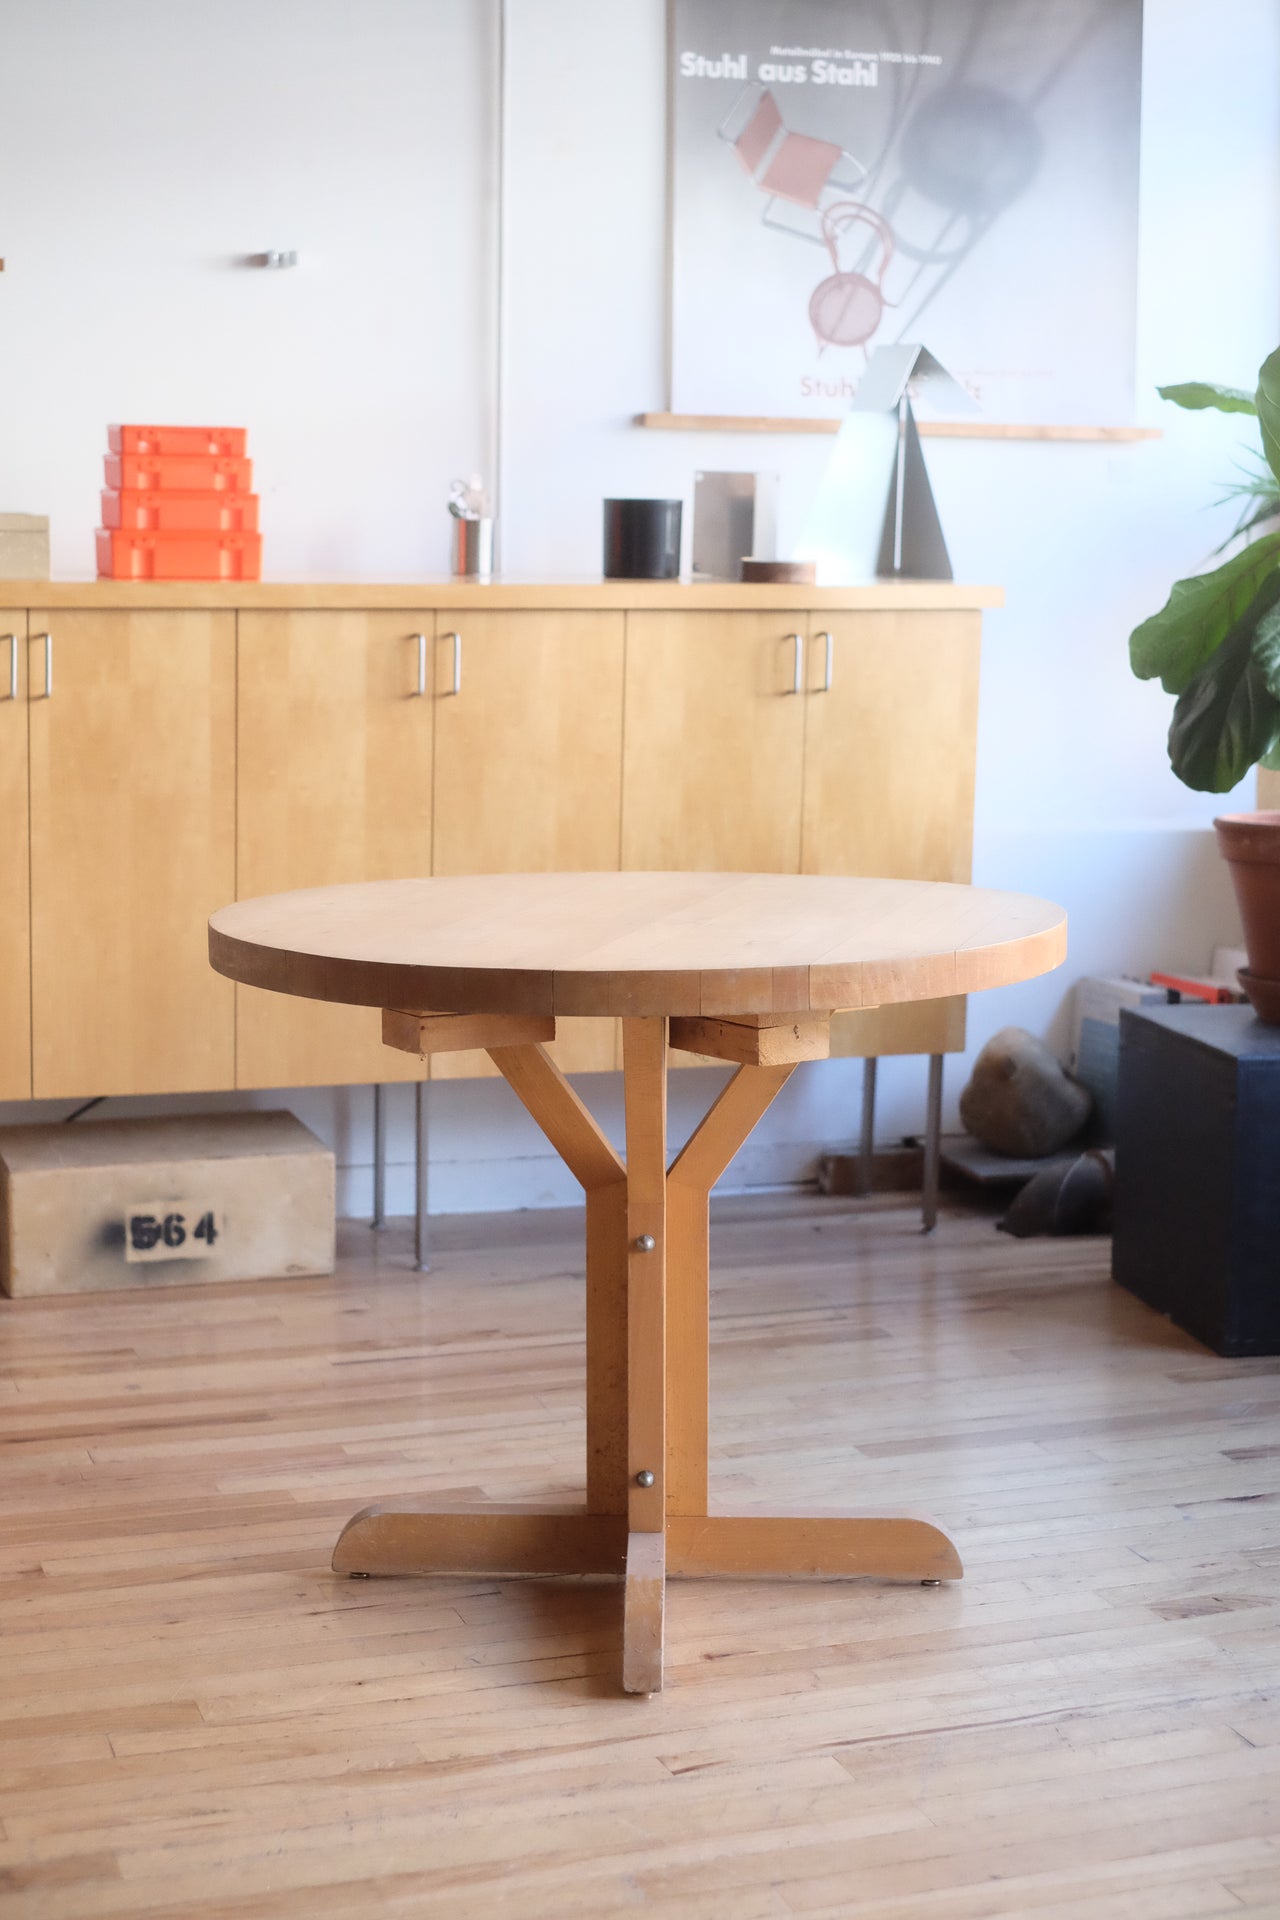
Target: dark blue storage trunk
(1197, 1199)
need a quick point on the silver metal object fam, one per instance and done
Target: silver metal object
(645, 1243)
(273, 257)
(829, 668)
(421, 1225)
(893, 372)
(911, 541)
(12, 638)
(932, 1145)
(931, 1583)
(932, 1138)
(457, 661)
(866, 1146)
(421, 639)
(48, 664)
(472, 548)
(379, 1218)
(797, 679)
(874, 514)
(734, 519)
(644, 1478)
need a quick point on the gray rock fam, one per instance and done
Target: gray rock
(1019, 1100)
(1071, 1199)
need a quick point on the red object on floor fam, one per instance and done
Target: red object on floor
(1191, 987)
(163, 512)
(181, 473)
(129, 555)
(214, 440)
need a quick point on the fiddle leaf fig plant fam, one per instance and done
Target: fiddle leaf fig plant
(1215, 644)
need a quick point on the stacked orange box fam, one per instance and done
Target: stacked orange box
(179, 506)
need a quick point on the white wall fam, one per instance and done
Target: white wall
(150, 145)
(364, 135)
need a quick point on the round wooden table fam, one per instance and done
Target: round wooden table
(745, 967)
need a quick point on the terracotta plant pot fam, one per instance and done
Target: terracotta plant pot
(1250, 844)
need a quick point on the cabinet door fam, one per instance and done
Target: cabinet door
(528, 768)
(335, 721)
(890, 750)
(15, 870)
(132, 744)
(891, 747)
(714, 743)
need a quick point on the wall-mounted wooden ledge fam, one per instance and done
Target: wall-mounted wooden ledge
(459, 596)
(929, 429)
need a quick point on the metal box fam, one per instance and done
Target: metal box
(735, 517)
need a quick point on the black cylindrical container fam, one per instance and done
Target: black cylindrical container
(642, 539)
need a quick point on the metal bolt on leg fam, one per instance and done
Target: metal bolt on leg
(645, 1243)
(644, 1478)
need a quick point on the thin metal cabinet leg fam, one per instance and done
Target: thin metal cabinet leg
(932, 1145)
(379, 1157)
(421, 1230)
(867, 1145)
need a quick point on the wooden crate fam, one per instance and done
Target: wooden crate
(24, 546)
(130, 1203)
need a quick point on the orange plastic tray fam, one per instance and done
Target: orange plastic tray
(223, 440)
(126, 555)
(159, 512)
(178, 472)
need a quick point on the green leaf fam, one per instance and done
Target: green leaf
(1266, 647)
(1197, 394)
(1269, 409)
(1176, 643)
(1271, 761)
(1228, 718)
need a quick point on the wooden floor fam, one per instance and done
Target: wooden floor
(199, 1719)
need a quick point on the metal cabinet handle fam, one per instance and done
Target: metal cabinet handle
(12, 638)
(797, 640)
(48, 664)
(421, 639)
(830, 661)
(457, 661)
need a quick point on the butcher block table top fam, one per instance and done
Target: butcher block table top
(635, 944)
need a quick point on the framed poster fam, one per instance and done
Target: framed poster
(848, 174)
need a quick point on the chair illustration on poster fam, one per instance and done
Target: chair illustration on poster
(845, 309)
(786, 166)
(964, 155)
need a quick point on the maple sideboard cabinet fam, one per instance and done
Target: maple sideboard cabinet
(165, 749)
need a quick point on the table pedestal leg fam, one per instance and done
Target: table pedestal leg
(644, 1065)
(644, 1613)
(647, 1338)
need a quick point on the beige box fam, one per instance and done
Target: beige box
(24, 546)
(129, 1203)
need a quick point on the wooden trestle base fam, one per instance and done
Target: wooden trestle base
(645, 1514)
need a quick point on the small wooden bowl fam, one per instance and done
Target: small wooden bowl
(781, 573)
